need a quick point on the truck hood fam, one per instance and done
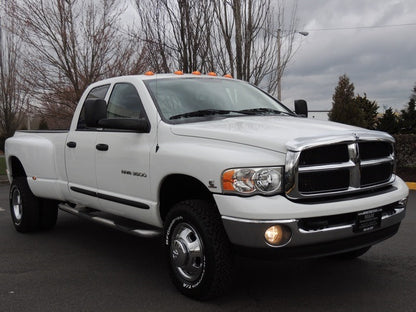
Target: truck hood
(277, 133)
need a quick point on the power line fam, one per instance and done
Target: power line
(363, 27)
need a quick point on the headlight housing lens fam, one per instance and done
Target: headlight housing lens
(250, 181)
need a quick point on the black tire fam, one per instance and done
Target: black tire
(30, 213)
(24, 206)
(48, 214)
(350, 255)
(208, 272)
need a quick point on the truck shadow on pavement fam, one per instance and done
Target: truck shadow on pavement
(99, 255)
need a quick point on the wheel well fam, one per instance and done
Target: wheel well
(17, 168)
(176, 188)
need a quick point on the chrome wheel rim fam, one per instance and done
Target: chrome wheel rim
(17, 206)
(187, 252)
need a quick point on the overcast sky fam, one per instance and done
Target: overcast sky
(380, 61)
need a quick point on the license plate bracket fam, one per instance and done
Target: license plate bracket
(368, 220)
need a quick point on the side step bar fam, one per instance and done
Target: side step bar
(114, 222)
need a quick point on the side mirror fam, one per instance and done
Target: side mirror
(301, 108)
(95, 110)
(138, 125)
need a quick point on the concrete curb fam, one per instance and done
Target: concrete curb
(411, 185)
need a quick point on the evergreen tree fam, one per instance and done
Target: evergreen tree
(344, 108)
(389, 122)
(369, 111)
(408, 117)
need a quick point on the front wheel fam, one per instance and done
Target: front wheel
(198, 250)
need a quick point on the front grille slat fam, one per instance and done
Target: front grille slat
(376, 174)
(374, 150)
(336, 169)
(327, 167)
(324, 155)
(324, 181)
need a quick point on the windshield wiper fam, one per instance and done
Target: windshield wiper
(207, 112)
(211, 111)
(264, 110)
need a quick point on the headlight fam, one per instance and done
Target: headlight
(250, 181)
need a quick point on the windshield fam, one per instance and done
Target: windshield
(181, 99)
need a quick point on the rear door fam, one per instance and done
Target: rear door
(80, 156)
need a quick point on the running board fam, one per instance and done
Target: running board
(115, 222)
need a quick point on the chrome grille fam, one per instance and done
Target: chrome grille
(337, 167)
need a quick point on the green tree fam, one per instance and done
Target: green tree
(408, 117)
(344, 107)
(389, 122)
(369, 111)
(407, 121)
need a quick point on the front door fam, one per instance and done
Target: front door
(122, 159)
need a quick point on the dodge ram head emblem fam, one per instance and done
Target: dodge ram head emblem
(356, 137)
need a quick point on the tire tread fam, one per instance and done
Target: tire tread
(216, 241)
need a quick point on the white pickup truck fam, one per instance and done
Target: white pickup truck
(215, 165)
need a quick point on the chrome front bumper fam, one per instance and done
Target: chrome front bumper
(250, 233)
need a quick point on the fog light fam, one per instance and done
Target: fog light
(277, 235)
(274, 234)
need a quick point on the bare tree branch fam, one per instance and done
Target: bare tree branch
(71, 44)
(228, 36)
(13, 95)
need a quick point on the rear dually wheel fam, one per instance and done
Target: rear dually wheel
(30, 213)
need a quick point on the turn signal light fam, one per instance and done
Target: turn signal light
(228, 181)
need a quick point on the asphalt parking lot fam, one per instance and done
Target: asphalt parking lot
(81, 266)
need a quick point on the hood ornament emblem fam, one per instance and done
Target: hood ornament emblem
(356, 137)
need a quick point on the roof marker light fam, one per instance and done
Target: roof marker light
(211, 74)
(149, 73)
(178, 72)
(196, 73)
(228, 76)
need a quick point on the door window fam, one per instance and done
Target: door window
(124, 102)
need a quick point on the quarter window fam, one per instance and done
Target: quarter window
(96, 93)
